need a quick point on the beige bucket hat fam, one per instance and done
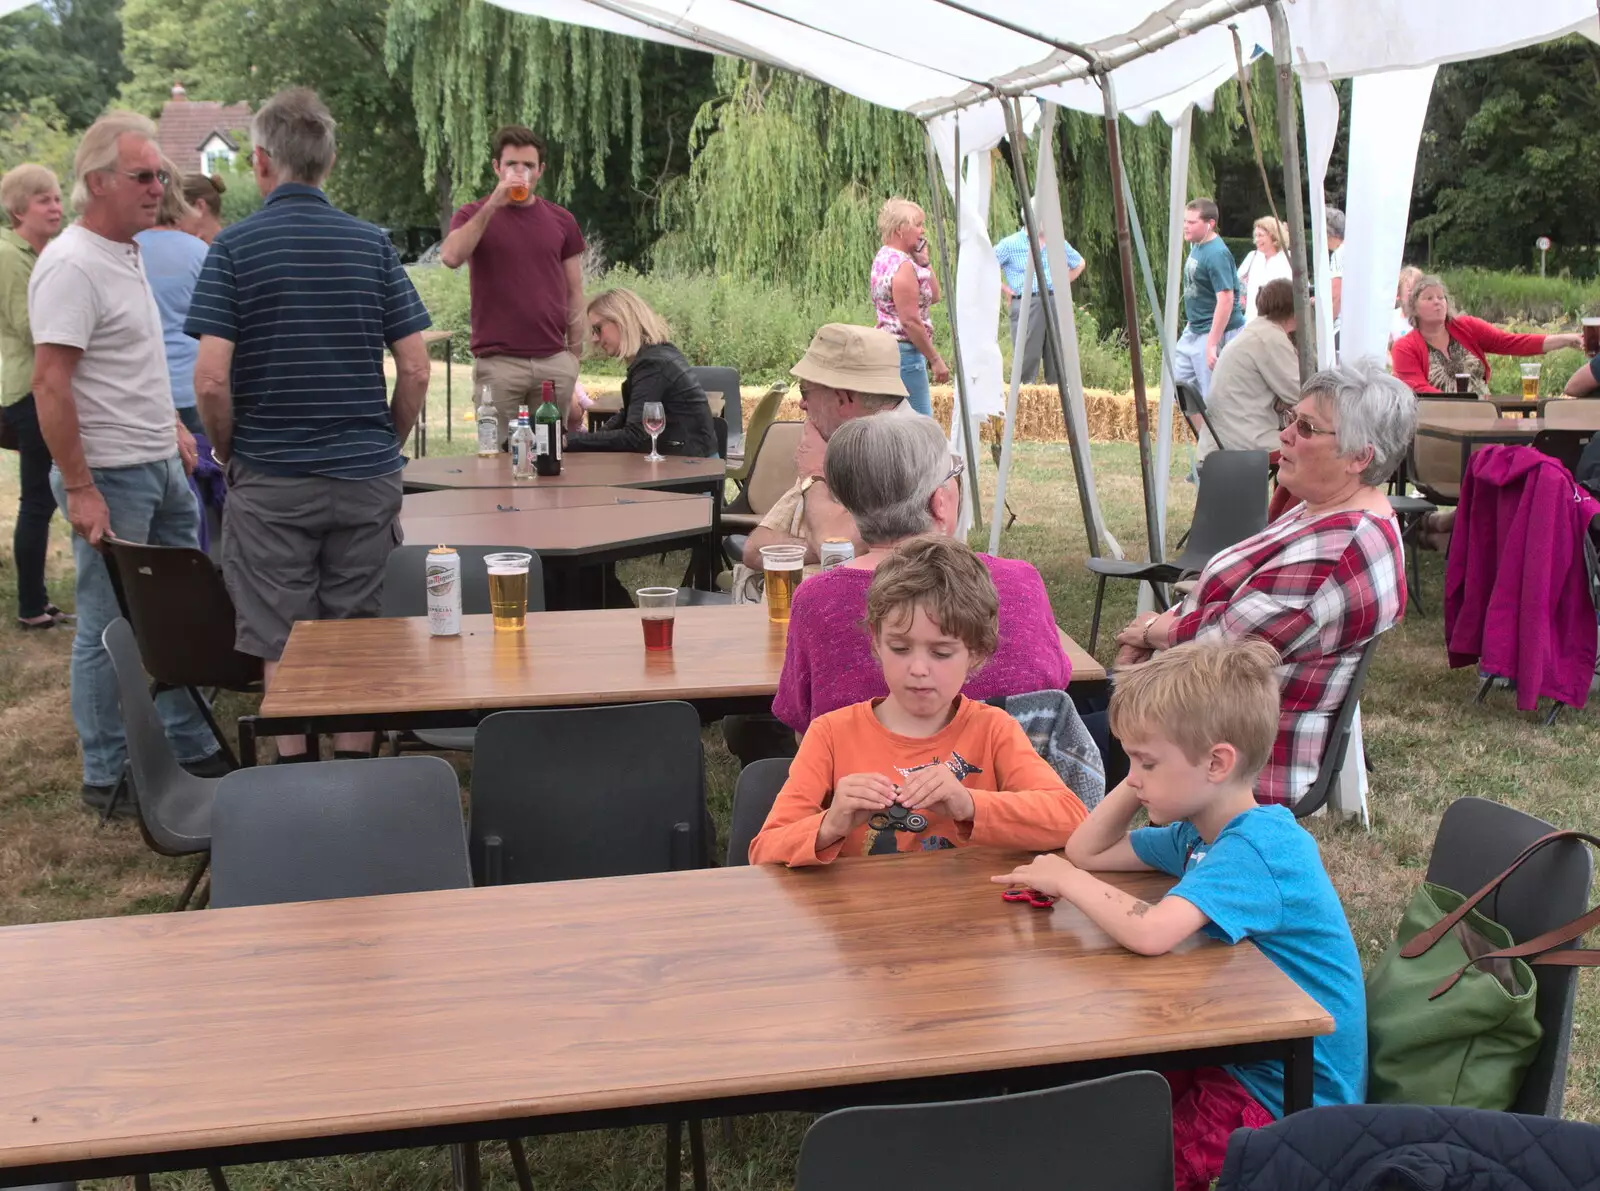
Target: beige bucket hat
(861, 359)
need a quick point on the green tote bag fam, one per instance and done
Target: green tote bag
(1450, 1006)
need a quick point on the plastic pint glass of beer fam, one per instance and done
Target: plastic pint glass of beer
(782, 566)
(1530, 381)
(658, 613)
(1591, 336)
(508, 590)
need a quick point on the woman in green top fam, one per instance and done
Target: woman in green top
(31, 198)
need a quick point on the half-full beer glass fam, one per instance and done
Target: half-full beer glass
(508, 590)
(782, 567)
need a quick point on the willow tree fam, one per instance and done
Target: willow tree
(473, 67)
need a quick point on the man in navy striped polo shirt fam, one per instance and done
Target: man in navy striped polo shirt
(293, 310)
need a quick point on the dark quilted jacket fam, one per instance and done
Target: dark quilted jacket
(1402, 1147)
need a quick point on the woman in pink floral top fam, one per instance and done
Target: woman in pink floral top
(903, 289)
(898, 479)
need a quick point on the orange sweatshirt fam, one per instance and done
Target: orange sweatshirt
(1018, 800)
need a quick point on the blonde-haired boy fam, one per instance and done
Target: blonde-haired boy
(1198, 723)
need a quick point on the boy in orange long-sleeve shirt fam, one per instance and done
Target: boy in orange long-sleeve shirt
(925, 767)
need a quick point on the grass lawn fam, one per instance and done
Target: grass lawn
(1427, 741)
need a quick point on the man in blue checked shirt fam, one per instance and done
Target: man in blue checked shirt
(1012, 253)
(293, 309)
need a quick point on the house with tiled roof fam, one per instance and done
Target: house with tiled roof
(199, 135)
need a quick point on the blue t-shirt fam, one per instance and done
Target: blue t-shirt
(172, 261)
(1208, 271)
(1262, 879)
(310, 297)
(1012, 253)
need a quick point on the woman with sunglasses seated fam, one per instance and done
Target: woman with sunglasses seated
(1318, 583)
(897, 479)
(621, 324)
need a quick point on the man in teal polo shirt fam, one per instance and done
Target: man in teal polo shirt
(1210, 290)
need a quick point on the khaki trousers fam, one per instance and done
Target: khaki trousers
(515, 381)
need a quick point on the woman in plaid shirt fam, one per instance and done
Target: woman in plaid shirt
(1323, 579)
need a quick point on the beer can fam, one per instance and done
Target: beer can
(444, 592)
(835, 551)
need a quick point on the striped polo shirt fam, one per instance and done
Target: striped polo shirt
(310, 297)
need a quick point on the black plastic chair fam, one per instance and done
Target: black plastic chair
(1338, 746)
(294, 833)
(405, 593)
(1412, 512)
(1112, 1134)
(1476, 841)
(333, 829)
(184, 622)
(405, 589)
(565, 794)
(1230, 505)
(1563, 444)
(174, 805)
(758, 787)
(724, 381)
(1192, 405)
(561, 795)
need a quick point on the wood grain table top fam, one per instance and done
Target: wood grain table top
(561, 659)
(161, 1032)
(459, 502)
(572, 530)
(617, 469)
(1499, 429)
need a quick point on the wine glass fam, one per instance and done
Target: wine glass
(655, 421)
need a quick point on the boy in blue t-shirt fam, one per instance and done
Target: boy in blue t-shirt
(1198, 722)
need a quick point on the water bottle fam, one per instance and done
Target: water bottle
(488, 426)
(522, 447)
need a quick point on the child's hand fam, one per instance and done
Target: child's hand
(1051, 874)
(937, 789)
(856, 797)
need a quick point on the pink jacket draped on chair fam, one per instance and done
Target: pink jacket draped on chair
(1516, 595)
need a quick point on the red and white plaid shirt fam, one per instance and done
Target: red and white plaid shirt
(1317, 589)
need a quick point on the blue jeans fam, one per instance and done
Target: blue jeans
(149, 502)
(914, 375)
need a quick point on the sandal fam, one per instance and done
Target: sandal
(49, 622)
(58, 615)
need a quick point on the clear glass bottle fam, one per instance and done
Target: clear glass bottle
(488, 425)
(522, 447)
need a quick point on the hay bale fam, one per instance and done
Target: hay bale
(1110, 415)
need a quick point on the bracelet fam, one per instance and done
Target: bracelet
(1144, 633)
(84, 487)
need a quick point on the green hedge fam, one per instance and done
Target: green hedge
(759, 329)
(1522, 297)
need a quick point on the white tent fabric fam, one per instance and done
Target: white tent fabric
(1386, 115)
(1320, 104)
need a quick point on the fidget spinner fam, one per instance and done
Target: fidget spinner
(899, 818)
(1039, 901)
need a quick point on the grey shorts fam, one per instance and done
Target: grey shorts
(304, 548)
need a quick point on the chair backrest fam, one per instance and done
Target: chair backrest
(587, 792)
(1565, 445)
(160, 783)
(772, 471)
(183, 617)
(323, 829)
(1338, 745)
(1193, 405)
(1581, 413)
(753, 796)
(761, 418)
(1435, 464)
(405, 587)
(1477, 839)
(1230, 505)
(1112, 1134)
(726, 382)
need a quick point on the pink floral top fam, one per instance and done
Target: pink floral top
(884, 266)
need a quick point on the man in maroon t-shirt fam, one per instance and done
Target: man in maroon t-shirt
(526, 282)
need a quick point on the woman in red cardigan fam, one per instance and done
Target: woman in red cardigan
(1442, 344)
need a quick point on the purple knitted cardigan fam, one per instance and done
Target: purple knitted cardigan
(828, 661)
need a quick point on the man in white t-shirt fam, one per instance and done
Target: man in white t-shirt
(1336, 264)
(105, 408)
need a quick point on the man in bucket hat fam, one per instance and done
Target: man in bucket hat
(847, 372)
